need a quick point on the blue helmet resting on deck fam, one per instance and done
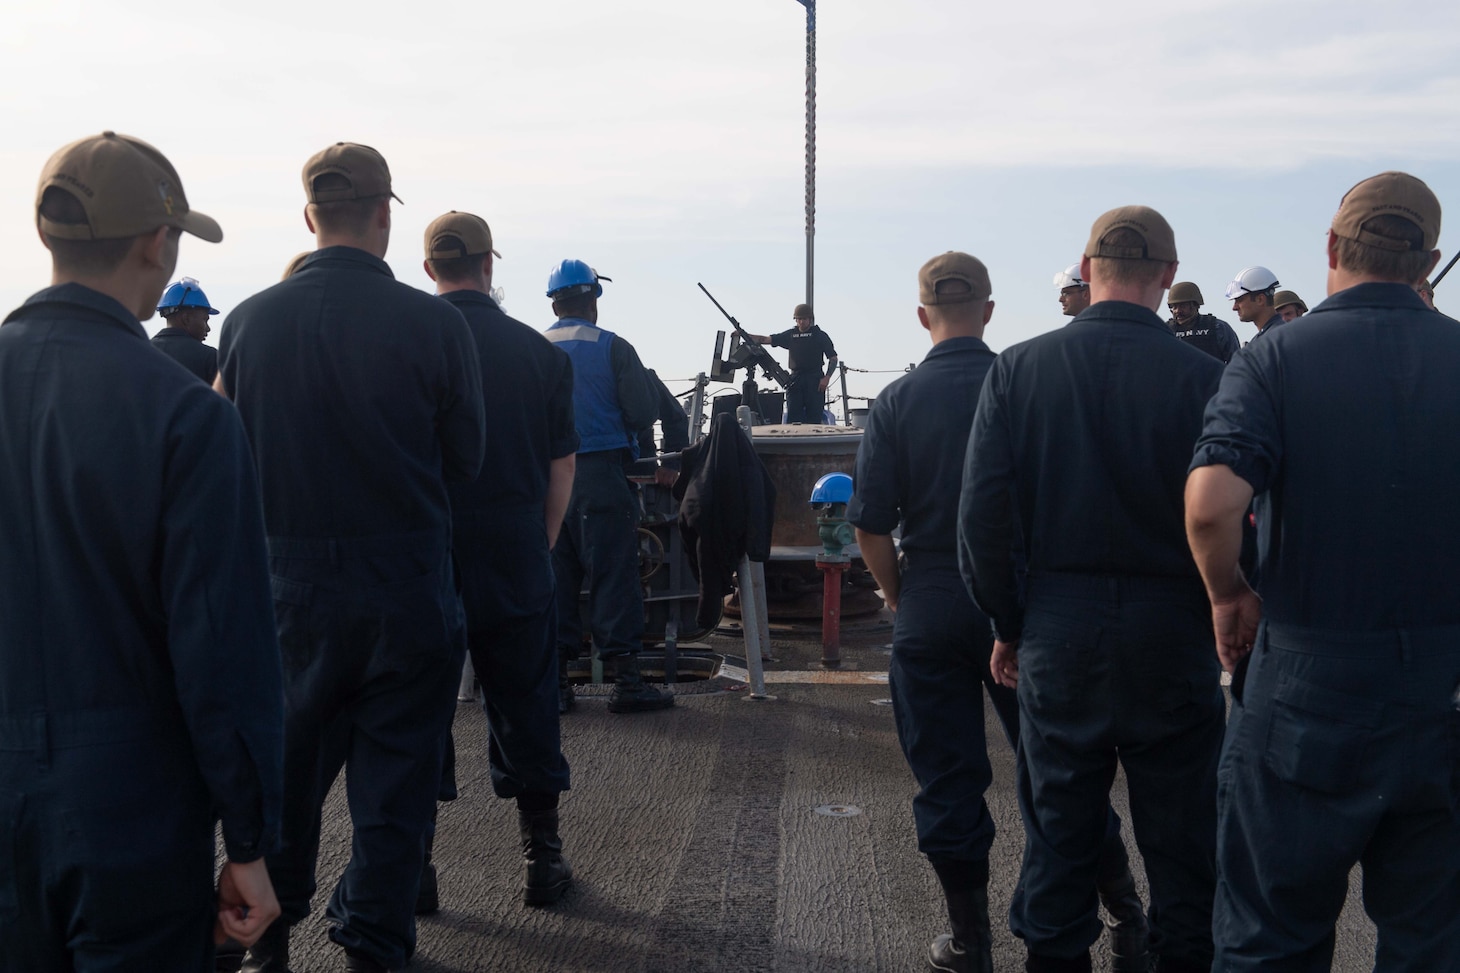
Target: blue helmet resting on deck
(573, 277)
(832, 488)
(185, 293)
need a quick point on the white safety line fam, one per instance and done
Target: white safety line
(810, 676)
(825, 677)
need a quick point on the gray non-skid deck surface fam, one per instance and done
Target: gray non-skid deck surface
(696, 845)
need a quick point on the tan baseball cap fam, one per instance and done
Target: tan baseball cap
(471, 233)
(1388, 194)
(953, 265)
(365, 169)
(1160, 242)
(126, 187)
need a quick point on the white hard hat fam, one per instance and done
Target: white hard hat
(1253, 280)
(1069, 277)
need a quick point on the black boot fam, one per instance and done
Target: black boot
(228, 957)
(566, 699)
(1038, 963)
(631, 694)
(969, 949)
(1127, 928)
(361, 963)
(271, 953)
(1167, 964)
(548, 872)
(428, 896)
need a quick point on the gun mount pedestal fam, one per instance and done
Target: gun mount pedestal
(796, 457)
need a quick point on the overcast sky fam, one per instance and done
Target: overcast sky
(663, 142)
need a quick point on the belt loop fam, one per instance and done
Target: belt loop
(43, 742)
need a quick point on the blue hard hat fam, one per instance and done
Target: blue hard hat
(185, 293)
(572, 277)
(832, 488)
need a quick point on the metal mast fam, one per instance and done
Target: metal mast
(810, 6)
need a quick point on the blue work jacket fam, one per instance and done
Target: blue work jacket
(136, 601)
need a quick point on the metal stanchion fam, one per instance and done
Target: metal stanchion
(754, 621)
(671, 652)
(751, 615)
(757, 584)
(697, 408)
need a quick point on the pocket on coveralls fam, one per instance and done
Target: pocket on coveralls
(293, 605)
(1317, 738)
(408, 619)
(1057, 655)
(143, 863)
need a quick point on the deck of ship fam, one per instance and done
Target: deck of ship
(697, 843)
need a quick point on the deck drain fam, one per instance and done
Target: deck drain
(838, 810)
(880, 702)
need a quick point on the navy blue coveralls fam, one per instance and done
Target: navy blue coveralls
(1080, 446)
(1269, 329)
(140, 693)
(1345, 745)
(361, 397)
(805, 400)
(599, 540)
(941, 641)
(907, 473)
(188, 352)
(502, 554)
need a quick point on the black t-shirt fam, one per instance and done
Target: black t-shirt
(807, 347)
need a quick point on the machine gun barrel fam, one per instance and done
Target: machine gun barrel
(1434, 283)
(761, 357)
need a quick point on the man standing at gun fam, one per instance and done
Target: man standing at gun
(806, 397)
